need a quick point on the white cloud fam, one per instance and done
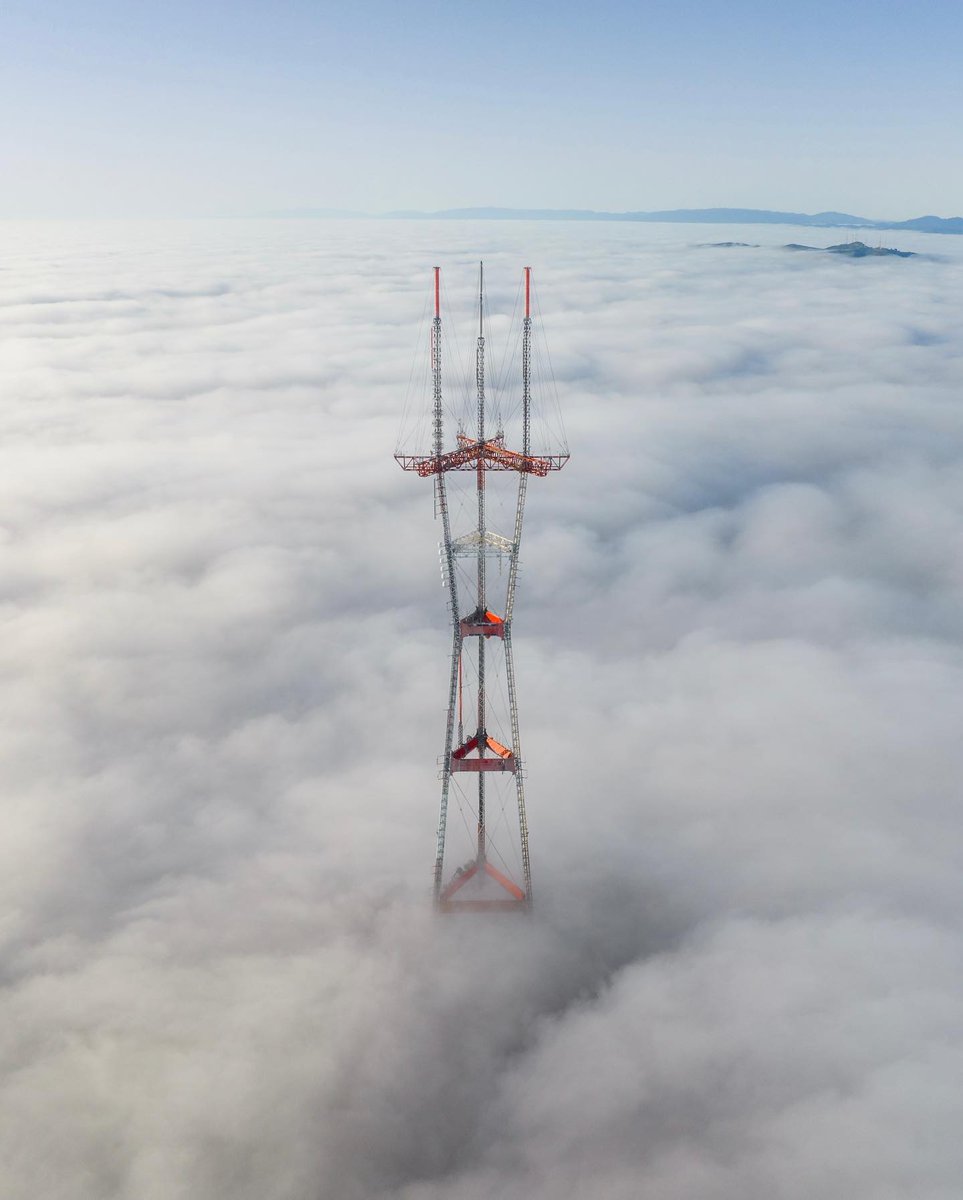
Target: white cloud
(223, 669)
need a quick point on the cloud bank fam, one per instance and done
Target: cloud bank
(223, 671)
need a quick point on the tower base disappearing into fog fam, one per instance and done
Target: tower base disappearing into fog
(480, 481)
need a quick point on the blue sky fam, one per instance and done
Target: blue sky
(180, 109)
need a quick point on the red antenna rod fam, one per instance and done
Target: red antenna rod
(437, 291)
(528, 291)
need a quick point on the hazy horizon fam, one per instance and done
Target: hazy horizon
(398, 212)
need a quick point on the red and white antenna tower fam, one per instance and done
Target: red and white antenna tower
(481, 767)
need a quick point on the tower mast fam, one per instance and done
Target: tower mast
(480, 488)
(481, 753)
(451, 579)
(513, 576)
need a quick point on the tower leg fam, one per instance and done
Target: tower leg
(446, 761)
(519, 773)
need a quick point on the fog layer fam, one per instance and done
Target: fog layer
(738, 637)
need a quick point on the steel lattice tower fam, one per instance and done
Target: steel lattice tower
(481, 637)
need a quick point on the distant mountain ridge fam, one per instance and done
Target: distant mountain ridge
(694, 216)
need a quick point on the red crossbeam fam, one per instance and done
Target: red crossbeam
(464, 874)
(491, 453)
(501, 758)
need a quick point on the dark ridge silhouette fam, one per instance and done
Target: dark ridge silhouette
(693, 216)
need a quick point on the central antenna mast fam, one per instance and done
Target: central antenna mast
(481, 733)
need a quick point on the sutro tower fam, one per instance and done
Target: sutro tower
(481, 768)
